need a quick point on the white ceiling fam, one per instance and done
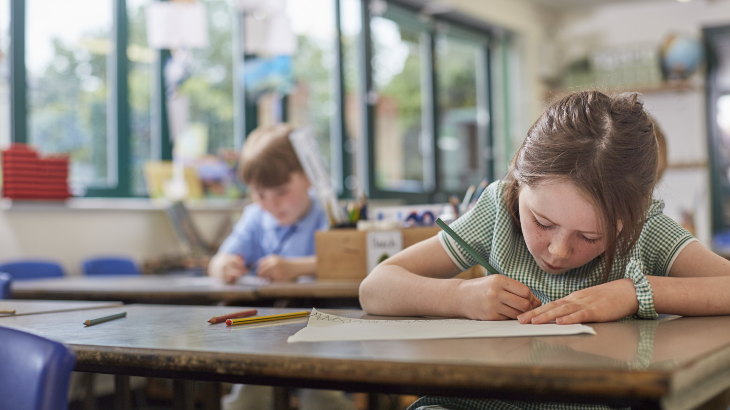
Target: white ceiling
(577, 4)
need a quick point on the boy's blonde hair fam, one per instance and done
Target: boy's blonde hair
(268, 159)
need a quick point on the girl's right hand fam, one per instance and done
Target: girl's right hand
(494, 297)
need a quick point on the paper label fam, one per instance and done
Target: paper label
(381, 246)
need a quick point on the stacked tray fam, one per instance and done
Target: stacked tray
(28, 176)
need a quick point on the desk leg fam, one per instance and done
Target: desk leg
(281, 398)
(183, 395)
(211, 396)
(122, 393)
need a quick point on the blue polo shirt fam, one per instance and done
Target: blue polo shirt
(258, 234)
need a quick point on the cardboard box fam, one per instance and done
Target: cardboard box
(342, 253)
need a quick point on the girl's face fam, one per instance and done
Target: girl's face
(288, 203)
(560, 226)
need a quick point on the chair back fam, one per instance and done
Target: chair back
(34, 372)
(109, 266)
(5, 285)
(22, 270)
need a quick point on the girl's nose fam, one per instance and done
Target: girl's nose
(560, 246)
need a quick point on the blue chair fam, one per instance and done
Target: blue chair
(5, 285)
(31, 269)
(34, 371)
(109, 266)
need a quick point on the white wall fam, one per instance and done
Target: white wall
(71, 235)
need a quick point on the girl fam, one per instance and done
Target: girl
(573, 231)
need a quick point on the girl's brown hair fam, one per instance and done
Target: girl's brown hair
(606, 147)
(268, 159)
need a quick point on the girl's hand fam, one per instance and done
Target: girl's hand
(494, 297)
(603, 303)
(277, 269)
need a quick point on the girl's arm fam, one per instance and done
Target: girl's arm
(697, 285)
(417, 282)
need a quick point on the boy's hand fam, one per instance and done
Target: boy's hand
(494, 297)
(227, 266)
(602, 303)
(277, 269)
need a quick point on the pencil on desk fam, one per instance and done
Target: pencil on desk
(259, 319)
(234, 315)
(92, 322)
(7, 311)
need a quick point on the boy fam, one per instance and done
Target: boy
(275, 239)
(275, 236)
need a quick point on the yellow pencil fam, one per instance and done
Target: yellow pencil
(7, 311)
(259, 319)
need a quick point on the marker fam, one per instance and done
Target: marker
(259, 319)
(7, 311)
(92, 322)
(468, 248)
(234, 315)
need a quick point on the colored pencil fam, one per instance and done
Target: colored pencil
(7, 311)
(234, 315)
(92, 322)
(468, 248)
(259, 319)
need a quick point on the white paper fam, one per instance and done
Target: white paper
(323, 327)
(176, 25)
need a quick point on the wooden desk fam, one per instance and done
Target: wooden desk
(182, 289)
(676, 364)
(35, 307)
(178, 289)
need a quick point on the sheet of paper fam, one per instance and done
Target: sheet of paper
(323, 327)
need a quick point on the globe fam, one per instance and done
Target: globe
(680, 56)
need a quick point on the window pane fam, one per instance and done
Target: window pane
(396, 67)
(4, 73)
(209, 88)
(459, 143)
(351, 24)
(66, 61)
(140, 80)
(310, 101)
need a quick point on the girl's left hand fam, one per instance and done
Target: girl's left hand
(602, 303)
(275, 268)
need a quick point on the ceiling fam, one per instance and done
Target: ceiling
(574, 4)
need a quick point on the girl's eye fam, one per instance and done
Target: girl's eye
(541, 226)
(591, 240)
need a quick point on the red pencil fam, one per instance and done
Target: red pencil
(234, 315)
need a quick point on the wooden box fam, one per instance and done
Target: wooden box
(342, 253)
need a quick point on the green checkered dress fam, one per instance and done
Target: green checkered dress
(489, 229)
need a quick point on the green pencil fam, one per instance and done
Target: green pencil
(468, 248)
(92, 322)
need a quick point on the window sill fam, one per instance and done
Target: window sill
(117, 204)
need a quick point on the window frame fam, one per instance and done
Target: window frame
(342, 160)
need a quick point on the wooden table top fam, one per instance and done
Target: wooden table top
(35, 307)
(182, 289)
(677, 364)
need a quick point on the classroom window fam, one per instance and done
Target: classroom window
(310, 102)
(209, 88)
(396, 72)
(351, 27)
(140, 77)
(460, 140)
(4, 73)
(67, 55)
